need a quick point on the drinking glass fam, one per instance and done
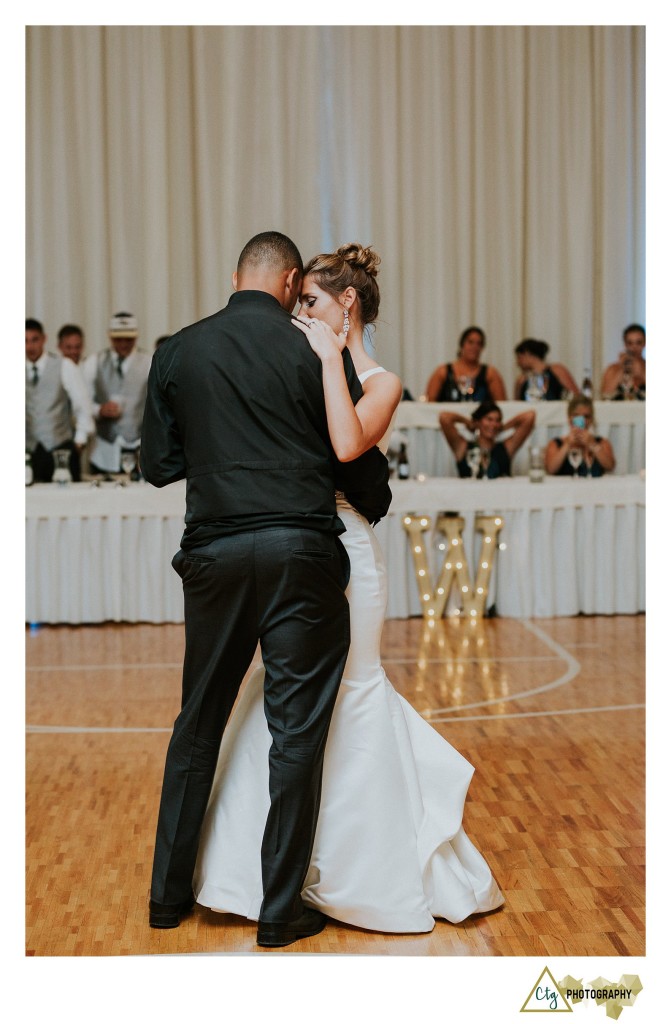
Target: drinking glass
(62, 474)
(128, 463)
(575, 460)
(535, 387)
(465, 385)
(627, 385)
(473, 456)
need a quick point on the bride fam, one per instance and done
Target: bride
(390, 853)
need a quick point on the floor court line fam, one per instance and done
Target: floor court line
(554, 712)
(572, 670)
(453, 717)
(387, 661)
(436, 714)
(105, 668)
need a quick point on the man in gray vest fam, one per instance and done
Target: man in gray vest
(58, 411)
(117, 381)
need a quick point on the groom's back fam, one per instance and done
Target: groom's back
(246, 391)
(235, 405)
(247, 386)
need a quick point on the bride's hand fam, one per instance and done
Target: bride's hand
(323, 340)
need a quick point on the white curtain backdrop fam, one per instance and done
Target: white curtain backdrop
(499, 172)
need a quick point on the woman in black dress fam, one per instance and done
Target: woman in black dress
(625, 379)
(540, 380)
(580, 452)
(484, 455)
(466, 379)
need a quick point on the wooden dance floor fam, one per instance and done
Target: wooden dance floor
(549, 711)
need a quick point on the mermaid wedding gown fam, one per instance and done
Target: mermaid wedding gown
(390, 853)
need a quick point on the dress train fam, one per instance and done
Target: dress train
(390, 852)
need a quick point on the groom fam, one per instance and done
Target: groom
(235, 405)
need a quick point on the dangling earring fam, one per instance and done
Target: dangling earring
(345, 328)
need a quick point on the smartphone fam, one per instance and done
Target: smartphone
(578, 421)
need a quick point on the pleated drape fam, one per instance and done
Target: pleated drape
(499, 171)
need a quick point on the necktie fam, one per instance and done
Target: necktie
(35, 375)
(120, 360)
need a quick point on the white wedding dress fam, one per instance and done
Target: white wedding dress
(390, 853)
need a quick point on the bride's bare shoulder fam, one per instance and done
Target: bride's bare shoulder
(382, 380)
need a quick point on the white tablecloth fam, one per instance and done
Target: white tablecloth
(103, 554)
(97, 554)
(623, 423)
(570, 545)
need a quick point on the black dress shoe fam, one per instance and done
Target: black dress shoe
(311, 922)
(168, 915)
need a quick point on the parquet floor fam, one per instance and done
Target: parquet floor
(549, 711)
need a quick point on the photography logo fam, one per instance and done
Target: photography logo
(545, 996)
(549, 996)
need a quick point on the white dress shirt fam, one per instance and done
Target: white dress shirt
(107, 454)
(75, 386)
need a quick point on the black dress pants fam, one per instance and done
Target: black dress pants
(284, 588)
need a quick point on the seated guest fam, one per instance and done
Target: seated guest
(625, 379)
(484, 455)
(580, 452)
(541, 381)
(466, 379)
(58, 412)
(71, 342)
(117, 380)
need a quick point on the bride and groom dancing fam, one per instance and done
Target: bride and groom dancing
(353, 800)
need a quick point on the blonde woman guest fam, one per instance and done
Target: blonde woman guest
(580, 452)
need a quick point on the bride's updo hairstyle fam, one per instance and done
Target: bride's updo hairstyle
(350, 266)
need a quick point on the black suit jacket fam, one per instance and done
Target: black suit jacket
(235, 405)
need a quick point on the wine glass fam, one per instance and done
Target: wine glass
(473, 456)
(485, 459)
(536, 387)
(575, 460)
(627, 381)
(465, 385)
(128, 462)
(61, 474)
(533, 392)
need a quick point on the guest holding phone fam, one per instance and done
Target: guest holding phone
(580, 452)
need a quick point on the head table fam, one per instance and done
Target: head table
(97, 554)
(623, 423)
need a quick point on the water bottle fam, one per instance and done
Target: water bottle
(536, 467)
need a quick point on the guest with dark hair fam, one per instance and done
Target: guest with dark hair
(58, 412)
(466, 379)
(580, 452)
(625, 379)
(540, 380)
(71, 342)
(483, 455)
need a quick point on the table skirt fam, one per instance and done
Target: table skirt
(567, 546)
